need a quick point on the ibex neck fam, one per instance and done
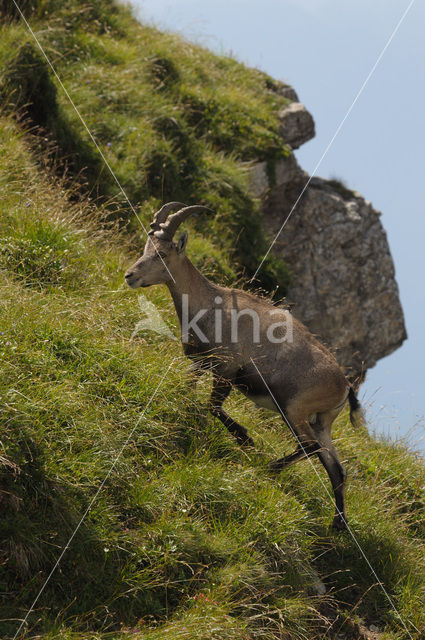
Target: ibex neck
(197, 289)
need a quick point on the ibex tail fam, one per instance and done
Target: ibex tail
(356, 413)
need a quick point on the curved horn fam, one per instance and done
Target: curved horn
(169, 227)
(161, 215)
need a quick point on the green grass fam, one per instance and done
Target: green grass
(340, 186)
(190, 537)
(151, 101)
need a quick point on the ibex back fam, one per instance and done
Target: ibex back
(247, 342)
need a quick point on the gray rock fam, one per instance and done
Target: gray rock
(258, 179)
(283, 172)
(283, 89)
(296, 124)
(344, 288)
(288, 92)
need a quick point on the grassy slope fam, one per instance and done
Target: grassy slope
(190, 537)
(175, 121)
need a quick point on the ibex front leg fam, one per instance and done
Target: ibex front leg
(220, 391)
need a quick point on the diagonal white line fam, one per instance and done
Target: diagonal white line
(375, 575)
(341, 124)
(93, 139)
(66, 547)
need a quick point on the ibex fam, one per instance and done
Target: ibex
(249, 343)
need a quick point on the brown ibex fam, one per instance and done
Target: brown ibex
(248, 342)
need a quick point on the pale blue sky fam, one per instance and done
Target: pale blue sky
(325, 49)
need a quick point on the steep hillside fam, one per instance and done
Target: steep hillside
(189, 536)
(151, 101)
(175, 121)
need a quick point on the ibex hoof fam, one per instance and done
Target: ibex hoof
(275, 466)
(339, 523)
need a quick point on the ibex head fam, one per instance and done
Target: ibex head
(161, 255)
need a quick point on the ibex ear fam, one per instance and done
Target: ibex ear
(181, 243)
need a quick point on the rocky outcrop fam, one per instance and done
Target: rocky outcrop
(344, 288)
(296, 124)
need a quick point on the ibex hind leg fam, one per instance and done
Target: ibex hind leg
(307, 446)
(315, 438)
(335, 470)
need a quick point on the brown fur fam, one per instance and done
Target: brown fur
(303, 377)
